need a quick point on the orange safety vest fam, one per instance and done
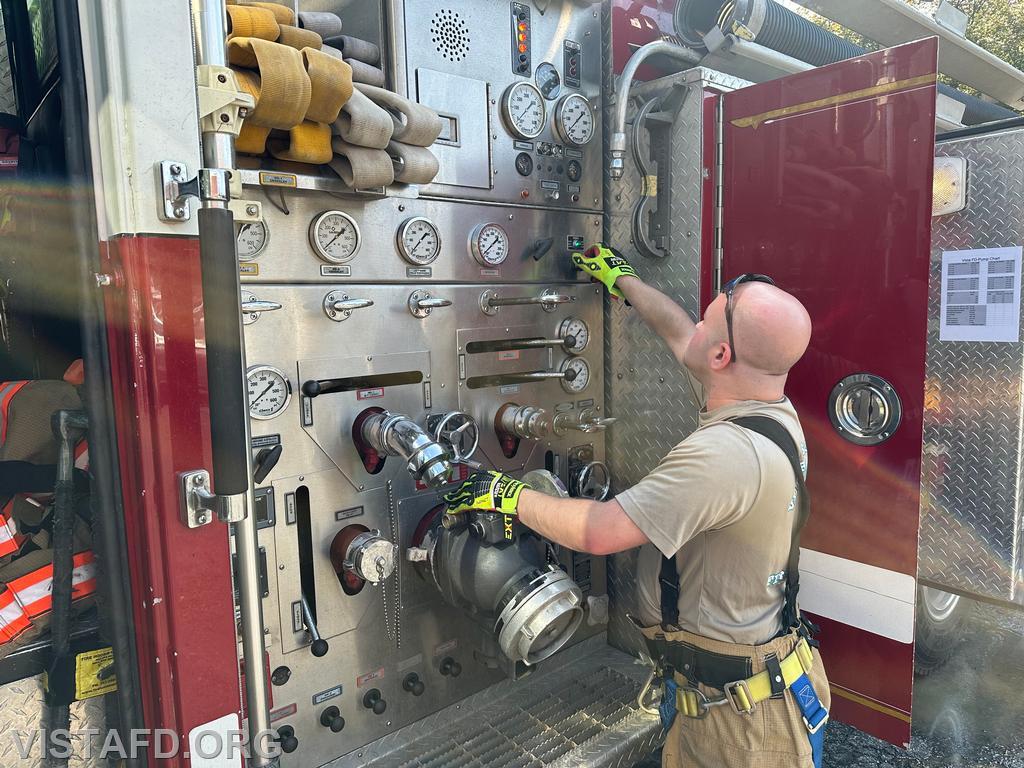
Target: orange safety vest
(30, 596)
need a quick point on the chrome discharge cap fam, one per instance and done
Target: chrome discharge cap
(370, 557)
(541, 612)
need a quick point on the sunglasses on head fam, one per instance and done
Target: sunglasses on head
(729, 289)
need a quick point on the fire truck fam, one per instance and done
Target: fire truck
(292, 269)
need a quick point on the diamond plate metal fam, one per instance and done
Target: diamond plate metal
(8, 102)
(646, 390)
(21, 715)
(970, 476)
(581, 712)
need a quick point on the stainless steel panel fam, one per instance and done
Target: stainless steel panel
(645, 387)
(290, 258)
(971, 500)
(463, 152)
(480, 45)
(578, 711)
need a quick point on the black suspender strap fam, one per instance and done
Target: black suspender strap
(669, 576)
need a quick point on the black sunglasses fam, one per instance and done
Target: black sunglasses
(729, 289)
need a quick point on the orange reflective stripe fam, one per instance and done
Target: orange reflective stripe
(34, 590)
(7, 392)
(8, 530)
(82, 455)
(13, 620)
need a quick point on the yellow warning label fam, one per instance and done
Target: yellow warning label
(94, 673)
(651, 186)
(252, 270)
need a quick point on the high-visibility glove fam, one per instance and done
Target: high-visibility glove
(486, 492)
(605, 264)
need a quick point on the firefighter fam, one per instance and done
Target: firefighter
(718, 524)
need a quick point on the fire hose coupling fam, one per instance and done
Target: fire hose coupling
(371, 557)
(394, 434)
(531, 422)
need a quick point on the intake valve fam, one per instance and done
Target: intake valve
(394, 434)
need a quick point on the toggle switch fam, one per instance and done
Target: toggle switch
(286, 739)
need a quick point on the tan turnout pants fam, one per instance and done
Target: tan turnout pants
(772, 736)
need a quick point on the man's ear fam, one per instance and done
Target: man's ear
(721, 356)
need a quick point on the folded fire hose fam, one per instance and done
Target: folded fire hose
(355, 48)
(297, 38)
(363, 123)
(366, 73)
(414, 123)
(307, 142)
(246, 21)
(413, 165)
(282, 13)
(331, 82)
(324, 24)
(282, 88)
(362, 167)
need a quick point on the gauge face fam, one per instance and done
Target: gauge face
(489, 245)
(574, 120)
(548, 80)
(251, 240)
(524, 164)
(574, 171)
(269, 391)
(577, 375)
(523, 108)
(418, 241)
(334, 236)
(579, 332)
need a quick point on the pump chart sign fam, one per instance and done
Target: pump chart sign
(981, 295)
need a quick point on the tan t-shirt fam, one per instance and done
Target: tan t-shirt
(724, 502)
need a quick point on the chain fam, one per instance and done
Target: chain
(391, 588)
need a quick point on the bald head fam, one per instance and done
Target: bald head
(771, 331)
(771, 328)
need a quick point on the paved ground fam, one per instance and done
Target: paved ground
(969, 714)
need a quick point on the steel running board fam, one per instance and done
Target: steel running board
(579, 709)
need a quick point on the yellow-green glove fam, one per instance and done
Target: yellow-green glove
(486, 492)
(604, 264)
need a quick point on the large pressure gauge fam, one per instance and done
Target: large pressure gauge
(574, 120)
(577, 375)
(251, 240)
(418, 241)
(334, 236)
(522, 107)
(578, 331)
(489, 244)
(269, 391)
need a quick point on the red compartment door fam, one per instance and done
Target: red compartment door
(827, 187)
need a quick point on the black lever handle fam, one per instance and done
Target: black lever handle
(265, 462)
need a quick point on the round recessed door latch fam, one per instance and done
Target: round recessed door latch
(865, 409)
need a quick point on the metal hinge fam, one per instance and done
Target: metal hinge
(199, 504)
(719, 195)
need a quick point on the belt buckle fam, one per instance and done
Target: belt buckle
(731, 697)
(813, 729)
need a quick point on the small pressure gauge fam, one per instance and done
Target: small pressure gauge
(489, 244)
(251, 240)
(577, 330)
(577, 375)
(334, 236)
(574, 120)
(418, 241)
(522, 107)
(269, 391)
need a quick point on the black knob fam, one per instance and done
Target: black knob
(265, 461)
(319, 647)
(372, 700)
(450, 666)
(280, 676)
(413, 684)
(286, 739)
(311, 388)
(331, 718)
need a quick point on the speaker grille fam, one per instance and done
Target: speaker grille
(450, 34)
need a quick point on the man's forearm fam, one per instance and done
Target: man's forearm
(583, 525)
(661, 314)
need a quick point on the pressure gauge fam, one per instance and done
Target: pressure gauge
(574, 120)
(578, 331)
(577, 375)
(251, 240)
(489, 244)
(269, 391)
(418, 241)
(334, 236)
(522, 107)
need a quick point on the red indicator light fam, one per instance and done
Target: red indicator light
(522, 48)
(522, 37)
(522, 27)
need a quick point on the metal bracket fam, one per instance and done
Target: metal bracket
(216, 184)
(198, 504)
(222, 104)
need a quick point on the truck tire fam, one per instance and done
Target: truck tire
(941, 620)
